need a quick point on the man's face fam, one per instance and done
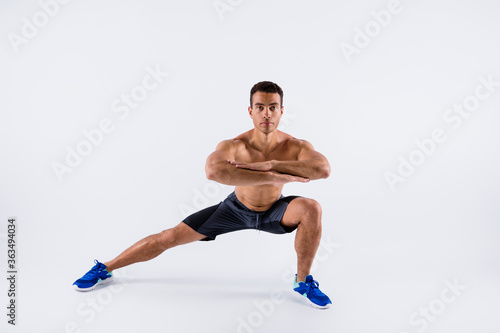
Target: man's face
(266, 111)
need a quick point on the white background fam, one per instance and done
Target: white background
(393, 250)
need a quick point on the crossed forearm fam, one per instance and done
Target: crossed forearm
(315, 168)
(228, 174)
(311, 169)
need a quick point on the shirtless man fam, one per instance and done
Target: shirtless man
(258, 163)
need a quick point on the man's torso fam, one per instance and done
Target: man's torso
(262, 197)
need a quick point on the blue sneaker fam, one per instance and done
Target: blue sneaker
(310, 290)
(96, 276)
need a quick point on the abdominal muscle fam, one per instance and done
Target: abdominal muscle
(258, 198)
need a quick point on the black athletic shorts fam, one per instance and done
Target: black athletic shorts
(231, 215)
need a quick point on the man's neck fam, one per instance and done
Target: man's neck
(264, 142)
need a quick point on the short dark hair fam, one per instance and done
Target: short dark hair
(266, 87)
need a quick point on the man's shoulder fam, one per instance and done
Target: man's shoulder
(240, 140)
(293, 141)
(229, 144)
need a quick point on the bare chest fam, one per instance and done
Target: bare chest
(281, 153)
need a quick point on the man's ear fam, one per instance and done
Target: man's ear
(282, 109)
(250, 111)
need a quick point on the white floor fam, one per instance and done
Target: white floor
(237, 284)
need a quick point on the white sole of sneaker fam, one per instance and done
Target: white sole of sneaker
(306, 300)
(108, 280)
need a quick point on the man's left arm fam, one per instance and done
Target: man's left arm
(309, 164)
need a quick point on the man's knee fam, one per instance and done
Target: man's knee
(167, 239)
(178, 235)
(311, 207)
(305, 211)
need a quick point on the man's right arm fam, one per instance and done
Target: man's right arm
(220, 170)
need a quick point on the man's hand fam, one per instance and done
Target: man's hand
(257, 166)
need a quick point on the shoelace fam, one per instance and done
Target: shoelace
(313, 288)
(93, 272)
